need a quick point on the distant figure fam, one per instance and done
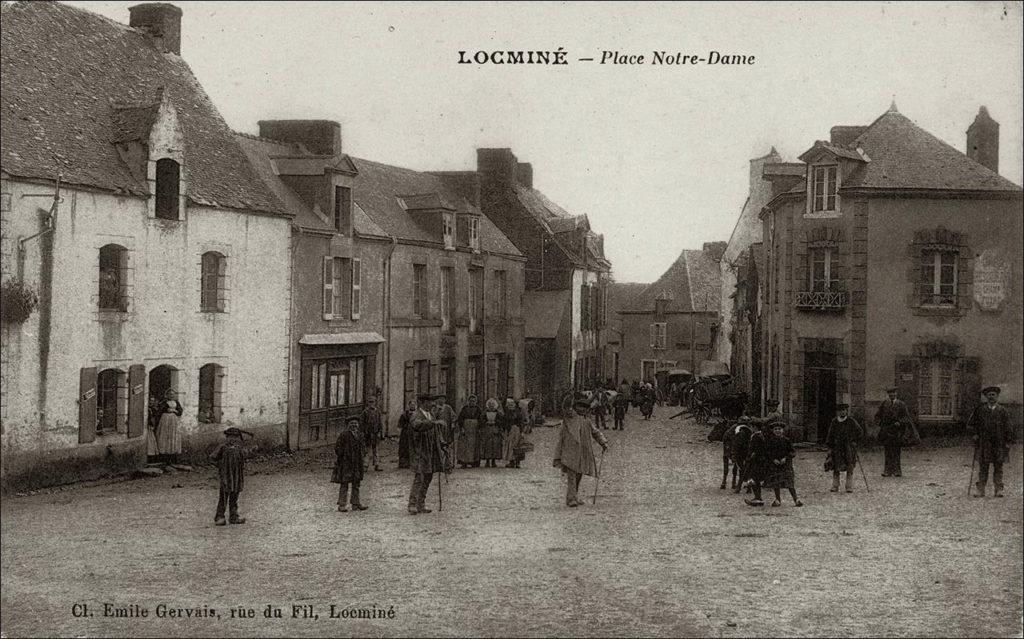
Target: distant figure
(230, 460)
(893, 418)
(348, 464)
(512, 451)
(844, 433)
(168, 439)
(467, 449)
(427, 454)
(992, 439)
(779, 456)
(371, 429)
(491, 436)
(619, 407)
(405, 435)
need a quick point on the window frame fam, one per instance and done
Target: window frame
(830, 189)
(829, 280)
(419, 290)
(447, 284)
(120, 401)
(214, 284)
(167, 191)
(448, 230)
(342, 209)
(931, 372)
(937, 267)
(474, 233)
(120, 281)
(658, 334)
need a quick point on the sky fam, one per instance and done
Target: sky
(655, 156)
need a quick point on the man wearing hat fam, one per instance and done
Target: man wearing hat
(348, 464)
(992, 439)
(573, 452)
(426, 445)
(892, 418)
(230, 459)
(843, 435)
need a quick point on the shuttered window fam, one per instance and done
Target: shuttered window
(357, 288)
(211, 391)
(936, 381)
(86, 405)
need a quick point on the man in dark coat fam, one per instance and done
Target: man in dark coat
(992, 439)
(428, 456)
(230, 459)
(405, 435)
(372, 430)
(844, 433)
(893, 418)
(573, 452)
(756, 465)
(348, 464)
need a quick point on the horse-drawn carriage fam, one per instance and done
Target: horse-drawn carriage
(715, 391)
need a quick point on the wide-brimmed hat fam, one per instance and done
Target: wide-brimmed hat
(842, 406)
(988, 389)
(891, 389)
(232, 432)
(425, 397)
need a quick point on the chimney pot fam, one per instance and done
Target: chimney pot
(983, 140)
(161, 22)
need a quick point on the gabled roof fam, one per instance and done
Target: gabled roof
(72, 83)
(620, 295)
(692, 283)
(559, 223)
(820, 146)
(380, 190)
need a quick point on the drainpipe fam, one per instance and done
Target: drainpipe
(386, 311)
(291, 424)
(483, 324)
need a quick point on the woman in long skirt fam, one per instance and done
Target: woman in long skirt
(491, 438)
(511, 449)
(467, 450)
(168, 439)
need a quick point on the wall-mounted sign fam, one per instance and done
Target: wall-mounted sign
(991, 280)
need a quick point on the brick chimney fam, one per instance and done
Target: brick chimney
(715, 249)
(524, 174)
(498, 165)
(161, 22)
(320, 137)
(983, 140)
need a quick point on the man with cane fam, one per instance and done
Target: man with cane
(574, 454)
(428, 452)
(992, 439)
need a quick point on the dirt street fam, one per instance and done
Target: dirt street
(664, 551)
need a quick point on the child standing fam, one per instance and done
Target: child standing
(230, 458)
(348, 466)
(779, 469)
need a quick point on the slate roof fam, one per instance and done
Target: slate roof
(65, 73)
(692, 283)
(621, 294)
(378, 189)
(557, 221)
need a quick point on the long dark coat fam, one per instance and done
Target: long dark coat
(404, 441)
(348, 453)
(372, 427)
(779, 475)
(230, 458)
(892, 418)
(756, 466)
(468, 447)
(992, 427)
(427, 440)
(574, 452)
(492, 436)
(842, 440)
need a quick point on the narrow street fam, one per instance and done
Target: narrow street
(664, 551)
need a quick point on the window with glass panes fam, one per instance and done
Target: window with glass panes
(419, 290)
(936, 388)
(938, 278)
(447, 280)
(824, 187)
(823, 276)
(337, 382)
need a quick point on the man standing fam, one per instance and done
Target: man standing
(427, 458)
(372, 429)
(446, 415)
(892, 418)
(599, 407)
(843, 435)
(573, 452)
(992, 439)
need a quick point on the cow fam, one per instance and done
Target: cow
(735, 448)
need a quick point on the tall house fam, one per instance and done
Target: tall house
(895, 261)
(158, 256)
(566, 278)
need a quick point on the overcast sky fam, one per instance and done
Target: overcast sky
(656, 156)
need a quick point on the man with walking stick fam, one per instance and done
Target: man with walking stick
(574, 454)
(428, 446)
(992, 439)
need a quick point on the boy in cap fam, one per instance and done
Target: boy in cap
(992, 439)
(230, 458)
(348, 465)
(892, 418)
(573, 452)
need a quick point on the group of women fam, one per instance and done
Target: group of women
(480, 435)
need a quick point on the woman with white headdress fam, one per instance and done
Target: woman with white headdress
(491, 437)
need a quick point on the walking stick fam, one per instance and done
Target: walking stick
(597, 479)
(862, 473)
(974, 457)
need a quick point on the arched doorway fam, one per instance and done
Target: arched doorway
(161, 379)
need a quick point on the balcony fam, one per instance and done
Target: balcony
(828, 301)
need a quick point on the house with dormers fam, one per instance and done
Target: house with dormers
(400, 285)
(896, 260)
(156, 252)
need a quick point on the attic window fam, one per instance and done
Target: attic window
(343, 210)
(824, 188)
(474, 233)
(449, 231)
(168, 178)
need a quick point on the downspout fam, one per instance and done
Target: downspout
(290, 424)
(483, 325)
(386, 310)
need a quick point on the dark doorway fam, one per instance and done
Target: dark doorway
(161, 379)
(819, 393)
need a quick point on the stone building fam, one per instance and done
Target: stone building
(155, 250)
(897, 260)
(620, 296)
(673, 323)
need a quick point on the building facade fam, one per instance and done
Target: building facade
(155, 251)
(896, 261)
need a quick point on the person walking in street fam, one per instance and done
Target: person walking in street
(574, 454)
(844, 433)
(467, 428)
(348, 464)
(427, 453)
(599, 408)
(619, 407)
(756, 467)
(893, 418)
(230, 460)
(647, 401)
(993, 437)
(372, 429)
(780, 454)
(405, 435)
(491, 436)
(512, 451)
(168, 439)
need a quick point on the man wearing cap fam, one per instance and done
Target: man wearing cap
(348, 464)
(426, 444)
(843, 435)
(892, 418)
(992, 440)
(573, 452)
(230, 459)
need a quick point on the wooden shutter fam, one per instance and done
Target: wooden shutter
(970, 386)
(433, 377)
(222, 286)
(906, 382)
(328, 293)
(357, 287)
(654, 335)
(409, 382)
(87, 405)
(136, 400)
(219, 373)
(511, 374)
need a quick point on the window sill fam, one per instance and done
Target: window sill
(822, 215)
(110, 315)
(938, 311)
(212, 311)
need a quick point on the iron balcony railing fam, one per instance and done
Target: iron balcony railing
(821, 300)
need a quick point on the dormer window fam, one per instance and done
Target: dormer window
(343, 210)
(168, 178)
(474, 233)
(824, 188)
(448, 220)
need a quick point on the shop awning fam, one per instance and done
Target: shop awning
(331, 339)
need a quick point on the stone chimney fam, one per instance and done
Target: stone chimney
(161, 22)
(497, 164)
(983, 140)
(715, 249)
(320, 137)
(524, 174)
